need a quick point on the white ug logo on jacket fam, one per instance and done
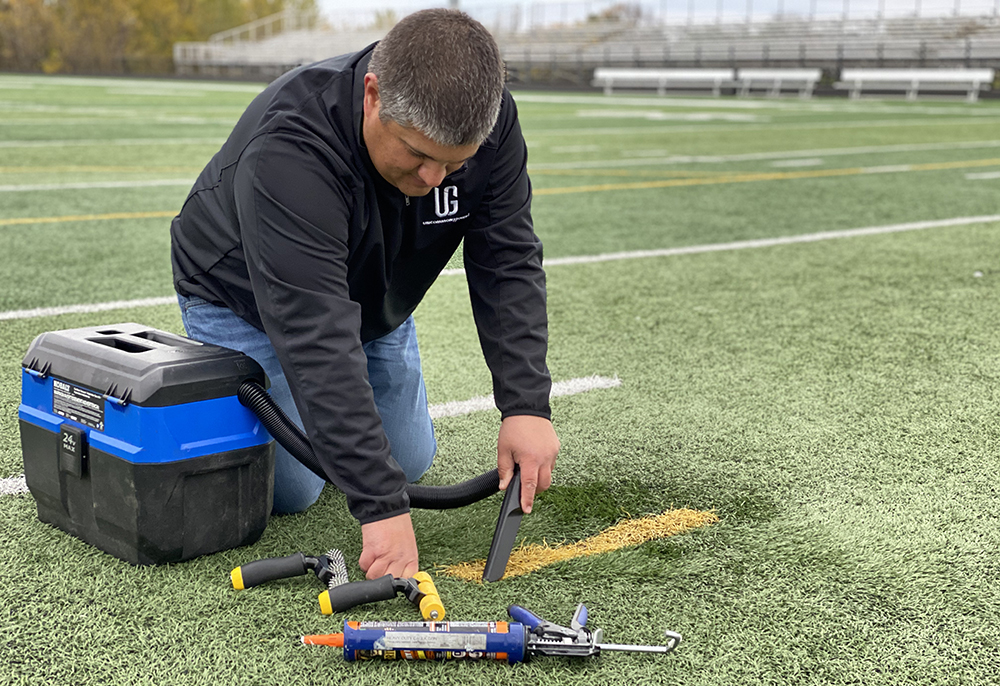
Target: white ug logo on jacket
(446, 201)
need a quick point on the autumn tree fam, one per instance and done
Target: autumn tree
(116, 36)
(28, 33)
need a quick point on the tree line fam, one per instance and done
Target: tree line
(116, 36)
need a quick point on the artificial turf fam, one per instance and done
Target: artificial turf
(833, 403)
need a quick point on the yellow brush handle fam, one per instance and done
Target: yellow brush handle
(255, 573)
(325, 606)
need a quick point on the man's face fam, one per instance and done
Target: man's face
(405, 157)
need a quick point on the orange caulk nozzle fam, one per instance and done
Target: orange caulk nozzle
(335, 640)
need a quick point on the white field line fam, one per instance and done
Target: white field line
(659, 115)
(87, 308)
(117, 120)
(798, 162)
(816, 126)
(982, 176)
(6, 106)
(572, 149)
(83, 142)
(535, 134)
(14, 81)
(871, 106)
(457, 408)
(13, 485)
(16, 484)
(644, 161)
(777, 155)
(762, 242)
(581, 259)
(78, 142)
(169, 93)
(623, 101)
(96, 184)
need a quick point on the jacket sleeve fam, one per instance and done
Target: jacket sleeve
(294, 216)
(503, 265)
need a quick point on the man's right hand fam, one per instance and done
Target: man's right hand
(389, 547)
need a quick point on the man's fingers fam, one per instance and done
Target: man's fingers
(528, 488)
(544, 479)
(531, 442)
(388, 547)
(397, 568)
(365, 561)
(376, 570)
(529, 485)
(505, 467)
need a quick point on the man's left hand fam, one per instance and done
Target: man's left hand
(531, 442)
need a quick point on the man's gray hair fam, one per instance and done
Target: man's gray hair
(440, 72)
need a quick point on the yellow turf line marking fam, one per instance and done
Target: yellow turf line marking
(87, 217)
(625, 534)
(770, 176)
(730, 178)
(625, 172)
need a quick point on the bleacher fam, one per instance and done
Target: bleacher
(826, 44)
(269, 47)
(569, 54)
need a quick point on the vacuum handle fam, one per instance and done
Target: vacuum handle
(346, 596)
(256, 573)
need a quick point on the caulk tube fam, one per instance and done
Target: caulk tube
(435, 641)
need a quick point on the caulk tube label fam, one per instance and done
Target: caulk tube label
(401, 640)
(434, 641)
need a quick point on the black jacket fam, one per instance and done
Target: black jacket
(291, 228)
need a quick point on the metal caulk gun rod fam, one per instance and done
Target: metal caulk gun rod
(635, 649)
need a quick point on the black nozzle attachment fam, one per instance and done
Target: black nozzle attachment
(507, 525)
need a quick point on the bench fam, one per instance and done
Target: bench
(912, 81)
(773, 80)
(609, 78)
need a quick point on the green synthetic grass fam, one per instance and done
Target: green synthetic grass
(834, 403)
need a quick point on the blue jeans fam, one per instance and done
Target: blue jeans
(393, 371)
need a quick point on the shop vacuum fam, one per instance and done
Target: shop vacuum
(157, 448)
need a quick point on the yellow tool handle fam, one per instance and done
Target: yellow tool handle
(346, 596)
(255, 573)
(431, 606)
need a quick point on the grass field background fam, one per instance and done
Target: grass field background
(833, 401)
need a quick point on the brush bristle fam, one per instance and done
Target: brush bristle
(338, 568)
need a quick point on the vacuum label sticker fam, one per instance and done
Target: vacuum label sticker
(78, 404)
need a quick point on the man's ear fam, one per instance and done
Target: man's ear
(371, 99)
